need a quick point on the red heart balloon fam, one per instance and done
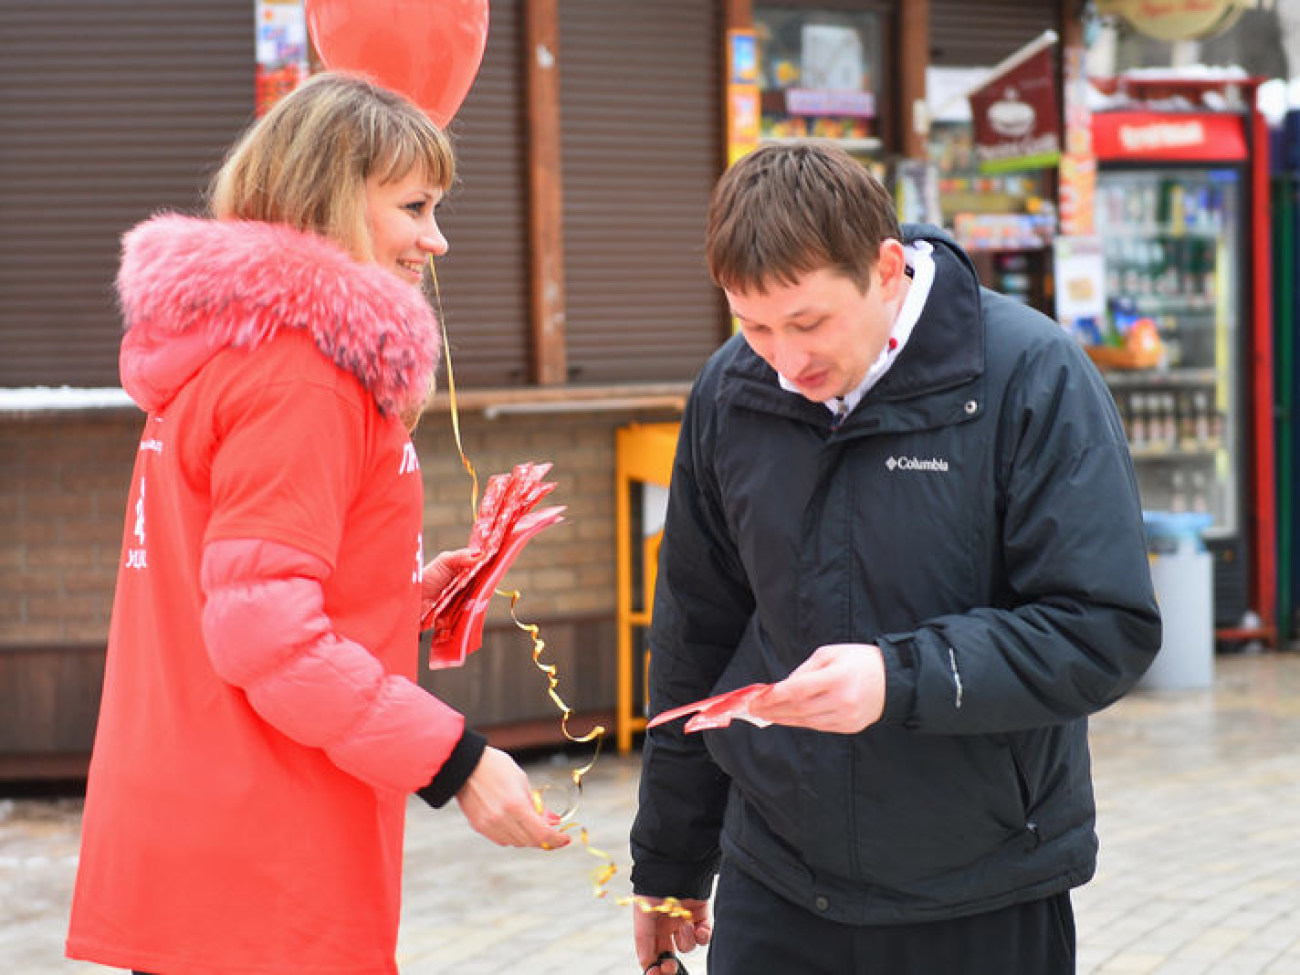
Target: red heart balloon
(429, 50)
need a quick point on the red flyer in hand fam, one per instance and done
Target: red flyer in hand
(504, 526)
(718, 711)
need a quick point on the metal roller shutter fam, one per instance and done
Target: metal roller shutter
(108, 112)
(965, 34)
(484, 277)
(640, 117)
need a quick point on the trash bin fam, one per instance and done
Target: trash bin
(1182, 573)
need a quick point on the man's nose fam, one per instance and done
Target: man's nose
(789, 358)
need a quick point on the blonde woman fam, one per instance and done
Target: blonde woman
(261, 727)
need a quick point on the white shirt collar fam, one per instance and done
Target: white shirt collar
(921, 262)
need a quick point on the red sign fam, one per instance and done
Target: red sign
(1117, 136)
(1014, 113)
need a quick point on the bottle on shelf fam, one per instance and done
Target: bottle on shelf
(1200, 492)
(1201, 419)
(1137, 433)
(1186, 420)
(1178, 492)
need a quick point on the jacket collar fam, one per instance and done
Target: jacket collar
(944, 354)
(191, 287)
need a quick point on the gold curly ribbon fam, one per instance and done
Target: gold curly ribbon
(451, 394)
(604, 873)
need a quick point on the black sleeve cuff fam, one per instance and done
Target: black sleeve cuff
(650, 879)
(458, 767)
(899, 652)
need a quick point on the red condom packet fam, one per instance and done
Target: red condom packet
(505, 524)
(718, 711)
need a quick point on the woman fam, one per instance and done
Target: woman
(260, 726)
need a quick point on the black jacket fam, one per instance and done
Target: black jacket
(977, 517)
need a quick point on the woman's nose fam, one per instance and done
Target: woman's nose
(433, 242)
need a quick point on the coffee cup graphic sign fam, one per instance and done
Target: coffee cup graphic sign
(1014, 113)
(1011, 117)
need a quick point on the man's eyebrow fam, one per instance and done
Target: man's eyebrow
(797, 313)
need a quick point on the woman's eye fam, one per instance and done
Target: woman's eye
(416, 207)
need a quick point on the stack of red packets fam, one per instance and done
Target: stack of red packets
(505, 524)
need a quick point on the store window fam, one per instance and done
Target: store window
(1006, 220)
(820, 75)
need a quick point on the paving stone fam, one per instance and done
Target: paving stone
(1199, 871)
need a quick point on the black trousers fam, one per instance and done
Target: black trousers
(757, 931)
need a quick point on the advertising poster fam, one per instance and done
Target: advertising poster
(1081, 286)
(744, 112)
(1078, 177)
(281, 50)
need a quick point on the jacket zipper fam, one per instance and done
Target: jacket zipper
(1026, 794)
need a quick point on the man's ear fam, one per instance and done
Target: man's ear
(892, 266)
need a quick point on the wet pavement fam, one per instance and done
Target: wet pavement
(1198, 811)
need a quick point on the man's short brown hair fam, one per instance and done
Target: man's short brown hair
(784, 211)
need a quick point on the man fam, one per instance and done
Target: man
(907, 502)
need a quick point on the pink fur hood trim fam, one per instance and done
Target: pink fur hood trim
(190, 287)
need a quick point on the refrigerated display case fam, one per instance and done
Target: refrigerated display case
(1180, 204)
(1285, 205)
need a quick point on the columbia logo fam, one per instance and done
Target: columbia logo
(916, 464)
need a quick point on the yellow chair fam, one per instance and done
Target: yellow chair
(643, 455)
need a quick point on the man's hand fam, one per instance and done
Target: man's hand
(840, 688)
(657, 932)
(498, 803)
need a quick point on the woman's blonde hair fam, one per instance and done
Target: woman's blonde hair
(305, 163)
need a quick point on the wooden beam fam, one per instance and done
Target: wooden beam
(1070, 23)
(738, 14)
(913, 58)
(545, 193)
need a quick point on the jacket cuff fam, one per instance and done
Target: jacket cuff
(899, 652)
(456, 770)
(693, 881)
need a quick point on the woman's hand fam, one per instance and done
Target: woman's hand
(498, 802)
(437, 575)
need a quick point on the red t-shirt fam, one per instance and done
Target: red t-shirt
(212, 842)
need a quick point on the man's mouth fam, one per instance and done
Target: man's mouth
(811, 379)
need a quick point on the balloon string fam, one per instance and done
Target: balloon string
(607, 869)
(451, 393)
(553, 681)
(670, 906)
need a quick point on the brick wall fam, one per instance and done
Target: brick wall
(568, 569)
(63, 488)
